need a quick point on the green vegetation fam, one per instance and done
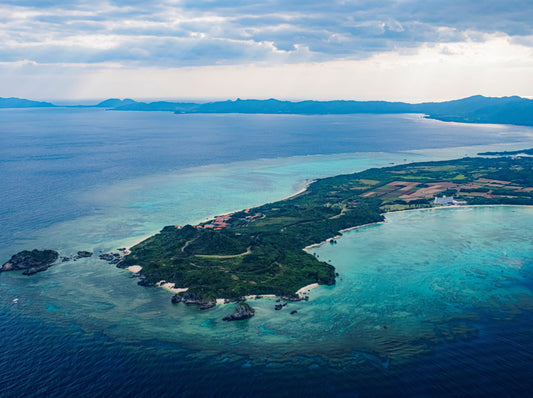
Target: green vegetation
(259, 251)
(508, 153)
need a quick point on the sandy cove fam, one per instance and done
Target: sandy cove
(135, 268)
(171, 287)
(306, 289)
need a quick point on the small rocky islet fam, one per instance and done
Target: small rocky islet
(31, 262)
(34, 261)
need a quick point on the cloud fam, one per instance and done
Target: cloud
(496, 67)
(214, 32)
(362, 49)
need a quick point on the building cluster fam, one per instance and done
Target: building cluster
(218, 223)
(248, 217)
(221, 222)
(448, 201)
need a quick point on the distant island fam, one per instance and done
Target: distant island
(23, 103)
(258, 251)
(475, 109)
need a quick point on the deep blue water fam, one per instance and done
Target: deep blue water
(84, 330)
(47, 155)
(40, 359)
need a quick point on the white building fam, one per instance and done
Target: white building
(447, 201)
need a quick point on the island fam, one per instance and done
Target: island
(23, 103)
(475, 109)
(260, 251)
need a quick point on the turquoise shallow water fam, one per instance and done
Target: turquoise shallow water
(453, 279)
(430, 303)
(429, 276)
(127, 211)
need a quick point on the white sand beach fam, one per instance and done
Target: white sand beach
(171, 287)
(134, 268)
(306, 289)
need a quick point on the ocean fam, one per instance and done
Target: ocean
(430, 303)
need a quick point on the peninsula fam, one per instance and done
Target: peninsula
(258, 251)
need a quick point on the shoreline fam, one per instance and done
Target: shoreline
(301, 191)
(346, 230)
(128, 248)
(300, 292)
(452, 207)
(291, 196)
(171, 287)
(404, 211)
(135, 269)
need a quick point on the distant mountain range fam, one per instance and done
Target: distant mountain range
(475, 109)
(22, 103)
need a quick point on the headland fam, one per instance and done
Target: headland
(258, 251)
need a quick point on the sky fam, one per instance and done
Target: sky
(396, 50)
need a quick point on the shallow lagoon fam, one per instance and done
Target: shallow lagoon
(458, 279)
(429, 303)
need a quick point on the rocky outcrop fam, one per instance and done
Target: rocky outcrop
(111, 258)
(208, 304)
(242, 311)
(83, 254)
(144, 282)
(190, 298)
(34, 270)
(31, 261)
